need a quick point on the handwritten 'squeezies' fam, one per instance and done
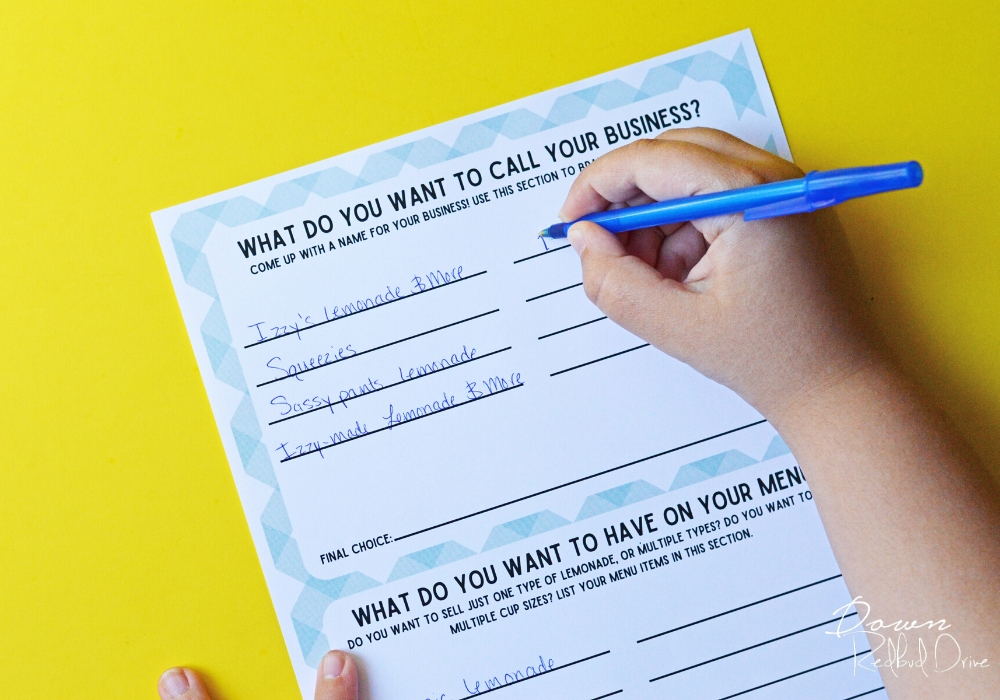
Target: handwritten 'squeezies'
(455, 467)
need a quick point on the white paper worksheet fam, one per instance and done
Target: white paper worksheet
(454, 467)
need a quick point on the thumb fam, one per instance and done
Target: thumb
(628, 290)
(181, 684)
(337, 677)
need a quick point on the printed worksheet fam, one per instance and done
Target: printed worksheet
(455, 467)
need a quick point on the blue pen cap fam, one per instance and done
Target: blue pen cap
(835, 186)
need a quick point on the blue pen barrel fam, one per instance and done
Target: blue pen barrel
(698, 207)
(814, 191)
(848, 183)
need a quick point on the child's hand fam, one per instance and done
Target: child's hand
(772, 310)
(766, 308)
(336, 679)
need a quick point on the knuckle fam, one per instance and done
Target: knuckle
(776, 169)
(736, 176)
(640, 145)
(592, 284)
(608, 292)
(744, 175)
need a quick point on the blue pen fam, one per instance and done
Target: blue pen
(814, 191)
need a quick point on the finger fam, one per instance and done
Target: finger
(660, 169)
(181, 684)
(663, 169)
(643, 244)
(337, 677)
(729, 145)
(625, 288)
(680, 252)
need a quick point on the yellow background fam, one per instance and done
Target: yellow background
(123, 546)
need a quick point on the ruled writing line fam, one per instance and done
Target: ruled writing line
(579, 325)
(599, 359)
(546, 252)
(795, 675)
(754, 646)
(387, 386)
(867, 692)
(581, 479)
(378, 347)
(554, 291)
(742, 607)
(399, 424)
(370, 308)
(538, 675)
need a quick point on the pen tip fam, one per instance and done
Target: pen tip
(543, 233)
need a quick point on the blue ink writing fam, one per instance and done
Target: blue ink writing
(370, 385)
(456, 358)
(397, 418)
(492, 385)
(321, 359)
(321, 444)
(356, 305)
(509, 677)
(304, 405)
(436, 279)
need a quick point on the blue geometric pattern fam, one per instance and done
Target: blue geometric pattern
(777, 448)
(616, 498)
(733, 74)
(427, 559)
(189, 236)
(523, 528)
(709, 467)
(315, 598)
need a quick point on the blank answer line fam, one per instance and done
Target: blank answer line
(577, 481)
(555, 291)
(613, 692)
(742, 607)
(867, 692)
(378, 347)
(796, 675)
(579, 325)
(539, 675)
(754, 646)
(368, 308)
(600, 359)
(397, 425)
(545, 252)
(388, 386)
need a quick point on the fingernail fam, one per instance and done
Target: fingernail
(174, 683)
(575, 236)
(333, 664)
